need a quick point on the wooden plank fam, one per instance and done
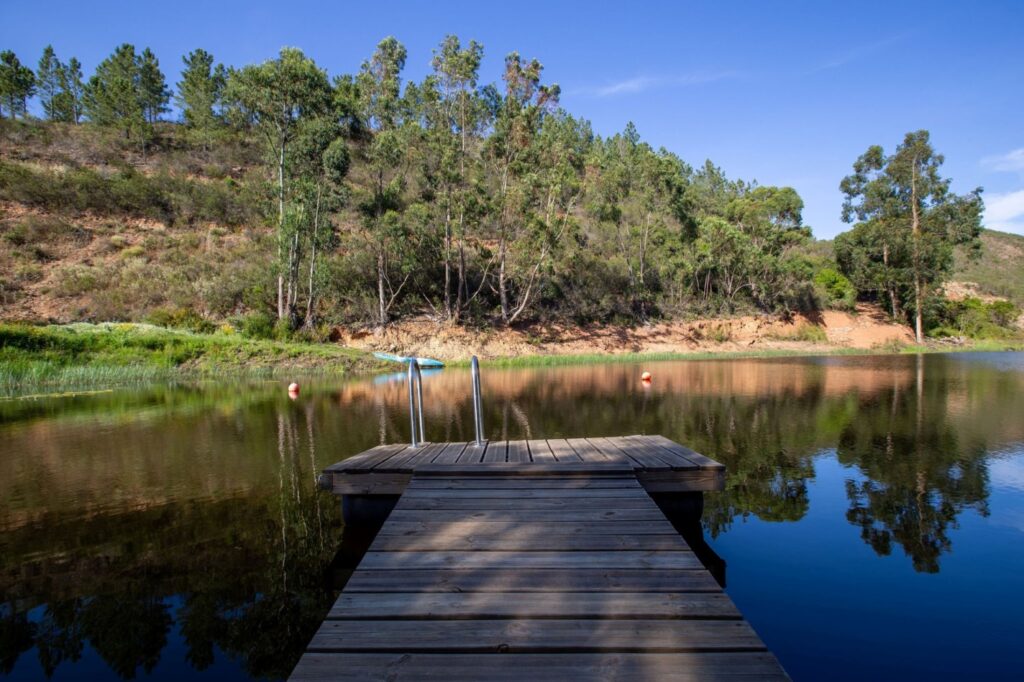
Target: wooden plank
(497, 451)
(588, 453)
(536, 636)
(562, 451)
(631, 667)
(695, 457)
(473, 453)
(450, 454)
(519, 559)
(368, 458)
(518, 451)
(526, 493)
(644, 456)
(554, 526)
(532, 580)
(532, 516)
(522, 483)
(675, 460)
(540, 451)
(560, 468)
(513, 504)
(681, 481)
(527, 540)
(370, 483)
(404, 461)
(577, 605)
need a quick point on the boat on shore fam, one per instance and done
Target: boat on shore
(422, 362)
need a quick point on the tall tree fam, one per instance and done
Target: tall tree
(113, 96)
(153, 90)
(455, 128)
(277, 96)
(68, 103)
(511, 149)
(17, 84)
(199, 93)
(48, 80)
(380, 85)
(904, 192)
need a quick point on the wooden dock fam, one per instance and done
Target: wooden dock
(551, 562)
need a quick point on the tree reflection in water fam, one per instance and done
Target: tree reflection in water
(243, 577)
(182, 527)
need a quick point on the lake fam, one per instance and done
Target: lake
(872, 526)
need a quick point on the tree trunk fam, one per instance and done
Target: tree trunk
(916, 227)
(502, 287)
(382, 311)
(448, 262)
(308, 322)
(280, 231)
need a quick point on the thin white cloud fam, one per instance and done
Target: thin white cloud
(643, 83)
(1010, 161)
(855, 53)
(1005, 212)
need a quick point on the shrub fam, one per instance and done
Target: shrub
(180, 318)
(834, 289)
(75, 280)
(972, 317)
(256, 325)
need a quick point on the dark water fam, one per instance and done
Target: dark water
(873, 525)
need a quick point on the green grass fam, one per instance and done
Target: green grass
(77, 356)
(526, 361)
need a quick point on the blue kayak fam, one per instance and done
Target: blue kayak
(422, 362)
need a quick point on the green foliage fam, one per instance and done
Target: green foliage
(168, 199)
(996, 269)
(910, 222)
(973, 318)
(115, 97)
(180, 318)
(834, 289)
(17, 84)
(256, 325)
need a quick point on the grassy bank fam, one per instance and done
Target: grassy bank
(596, 358)
(82, 356)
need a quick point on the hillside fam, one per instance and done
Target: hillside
(999, 271)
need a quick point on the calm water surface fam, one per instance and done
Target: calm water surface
(872, 526)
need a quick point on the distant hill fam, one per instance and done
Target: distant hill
(999, 270)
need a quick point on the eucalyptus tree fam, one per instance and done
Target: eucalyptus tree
(455, 129)
(17, 84)
(200, 93)
(278, 96)
(386, 158)
(903, 194)
(511, 152)
(638, 197)
(318, 162)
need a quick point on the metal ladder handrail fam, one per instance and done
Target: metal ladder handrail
(478, 410)
(415, 390)
(415, 382)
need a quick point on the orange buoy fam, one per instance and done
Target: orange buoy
(293, 389)
(646, 377)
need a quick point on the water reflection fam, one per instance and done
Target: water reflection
(178, 530)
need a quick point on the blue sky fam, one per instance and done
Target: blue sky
(787, 93)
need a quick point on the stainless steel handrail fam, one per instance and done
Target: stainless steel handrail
(415, 401)
(478, 410)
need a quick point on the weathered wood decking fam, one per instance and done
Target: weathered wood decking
(659, 464)
(559, 566)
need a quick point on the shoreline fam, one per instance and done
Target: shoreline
(38, 362)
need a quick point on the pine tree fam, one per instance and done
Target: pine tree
(48, 80)
(153, 91)
(17, 84)
(69, 100)
(199, 93)
(113, 96)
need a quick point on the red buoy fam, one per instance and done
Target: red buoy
(646, 377)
